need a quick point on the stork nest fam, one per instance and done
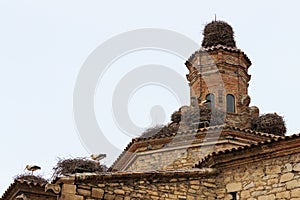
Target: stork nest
(218, 32)
(31, 178)
(269, 123)
(190, 118)
(202, 116)
(66, 167)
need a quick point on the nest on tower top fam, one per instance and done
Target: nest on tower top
(31, 178)
(218, 33)
(269, 123)
(66, 167)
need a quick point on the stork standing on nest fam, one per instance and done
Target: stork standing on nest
(98, 157)
(205, 102)
(32, 168)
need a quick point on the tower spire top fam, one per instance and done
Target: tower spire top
(218, 33)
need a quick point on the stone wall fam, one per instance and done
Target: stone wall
(178, 185)
(184, 158)
(272, 179)
(277, 178)
(185, 151)
(268, 171)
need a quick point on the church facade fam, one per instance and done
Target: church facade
(215, 148)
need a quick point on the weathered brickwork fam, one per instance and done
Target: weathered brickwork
(221, 71)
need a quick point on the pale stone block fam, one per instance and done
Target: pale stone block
(245, 194)
(84, 192)
(283, 195)
(250, 185)
(97, 193)
(258, 193)
(67, 188)
(286, 177)
(267, 197)
(288, 167)
(71, 197)
(272, 181)
(296, 167)
(292, 184)
(295, 192)
(234, 187)
(273, 169)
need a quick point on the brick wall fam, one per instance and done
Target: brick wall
(223, 72)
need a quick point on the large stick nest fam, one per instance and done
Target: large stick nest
(218, 32)
(31, 178)
(77, 165)
(269, 123)
(190, 118)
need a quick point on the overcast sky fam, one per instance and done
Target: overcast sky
(43, 45)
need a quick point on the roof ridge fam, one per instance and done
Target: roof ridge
(219, 46)
(235, 149)
(20, 181)
(197, 131)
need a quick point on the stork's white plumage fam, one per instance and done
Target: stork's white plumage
(98, 157)
(22, 196)
(32, 168)
(204, 102)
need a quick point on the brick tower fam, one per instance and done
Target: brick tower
(219, 72)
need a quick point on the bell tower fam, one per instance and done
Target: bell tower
(219, 72)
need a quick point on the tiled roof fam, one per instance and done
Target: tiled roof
(231, 49)
(190, 132)
(21, 181)
(243, 148)
(138, 175)
(211, 128)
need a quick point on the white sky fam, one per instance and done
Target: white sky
(43, 45)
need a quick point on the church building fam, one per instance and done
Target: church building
(218, 147)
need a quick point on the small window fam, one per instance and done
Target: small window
(230, 103)
(234, 196)
(211, 98)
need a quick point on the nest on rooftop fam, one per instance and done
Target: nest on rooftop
(66, 167)
(269, 123)
(218, 32)
(202, 116)
(189, 118)
(31, 178)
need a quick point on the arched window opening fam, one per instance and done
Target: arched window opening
(211, 97)
(230, 103)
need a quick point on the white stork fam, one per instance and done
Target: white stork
(32, 168)
(205, 102)
(98, 157)
(22, 196)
